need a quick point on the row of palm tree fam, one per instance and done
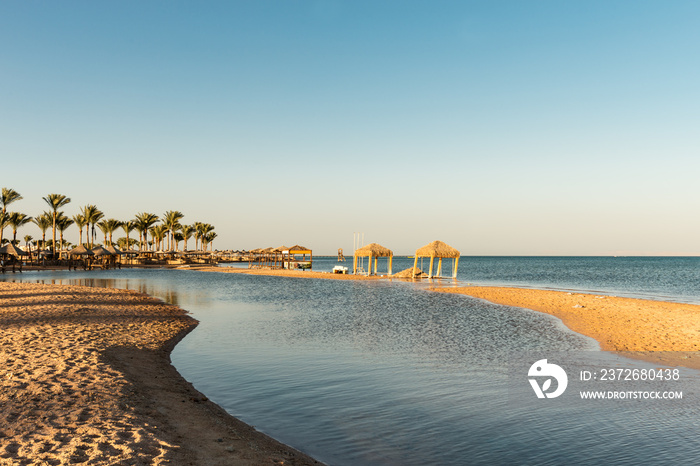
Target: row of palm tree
(166, 233)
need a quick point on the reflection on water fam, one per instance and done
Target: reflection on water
(388, 373)
(142, 285)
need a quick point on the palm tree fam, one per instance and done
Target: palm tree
(144, 221)
(107, 227)
(203, 229)
(197, 234)
(158, 233)
(27, 239)
(171, 219)
(7, 197)
(44, 222)
(4, 221)
(92, 214)
(187, 231)
(63, 223)
(55, 201)
(128, 227)
(126, 243)
(17, 220)
(80, 222)
(209, 239)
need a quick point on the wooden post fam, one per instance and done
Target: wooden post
(430, 274)
(376, 260)
(391, 258)
(354, 264)
(369, 265)
(456, 262)
(415, 264)
(439, 272)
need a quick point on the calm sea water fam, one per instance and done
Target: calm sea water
(389, 373)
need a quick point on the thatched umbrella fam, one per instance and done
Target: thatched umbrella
(100, 251)
(440, 250)
(80, 251)
(372, 250)
(12, 250)
(114, 250)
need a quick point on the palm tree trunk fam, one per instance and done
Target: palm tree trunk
(53, 246)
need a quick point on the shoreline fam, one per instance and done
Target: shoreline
(655, 331)
(86, 376)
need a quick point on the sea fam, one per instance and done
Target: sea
(390, 373)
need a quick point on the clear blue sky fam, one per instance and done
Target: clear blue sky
(499, 127)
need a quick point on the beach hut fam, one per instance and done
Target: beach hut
(372, 250)
(439, 250)
(114, 250)
(80, 251)
(291, 261)
(11, 250)
(100, 251)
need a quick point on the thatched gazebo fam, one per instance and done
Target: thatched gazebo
(440, 250)
(372, 250)
(80, 251)
(100, 251)
(292, 262)
(12, 250)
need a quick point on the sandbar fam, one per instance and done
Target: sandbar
(657, 331)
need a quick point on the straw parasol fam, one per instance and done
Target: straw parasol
(12, 250)
(80, 251)
(440, 250)
(114, 250)
(100, 251)
(373, 250)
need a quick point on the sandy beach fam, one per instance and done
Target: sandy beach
(656, 331)
(85, 377)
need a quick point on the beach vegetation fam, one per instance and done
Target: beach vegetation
(62, 223)
(17, 220)
(144, 221)
(128, 226)
(187, 231)
(93, 215)
(44, 222)
(171, 220)
(80, 222)
(7, 197)
(55, 202)
(108, 227)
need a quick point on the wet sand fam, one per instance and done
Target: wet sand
(656, 331)
(85, 377)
